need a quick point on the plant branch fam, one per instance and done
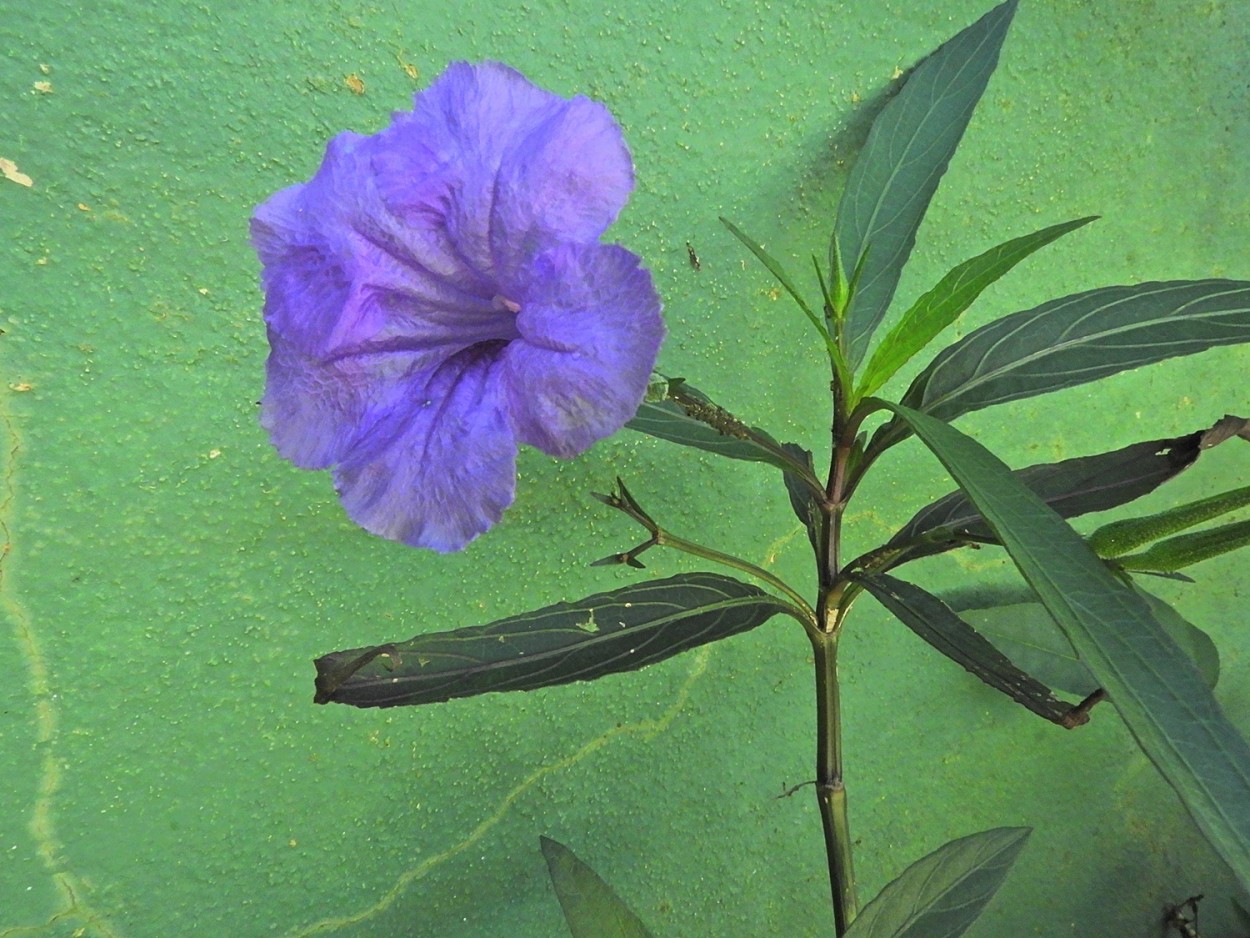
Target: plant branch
(624, 501)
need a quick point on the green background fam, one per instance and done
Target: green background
(167, 579)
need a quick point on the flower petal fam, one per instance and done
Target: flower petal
(316, 410)
(567, 180)
(436, 292)
(590, 331)
(437, 166)
(439, 468)
(341, 271)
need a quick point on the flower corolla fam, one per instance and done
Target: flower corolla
(437, 294)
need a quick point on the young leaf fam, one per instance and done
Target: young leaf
(591, 907)
(775, 268)
(1119, 537)
(685, 415)
(1080, 338)
(941, 627)
(898, 170)
(1157, 690)
(941, 895)
(621, 630)
(1070, 487)
(943, 304)
(1187, 549)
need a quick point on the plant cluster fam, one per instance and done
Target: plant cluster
(439, 294)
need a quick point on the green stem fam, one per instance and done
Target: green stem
(830, 789)
(668, 539)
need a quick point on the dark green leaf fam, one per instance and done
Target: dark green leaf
(621, 630)
(1119, 537)
(941, 627)
(1157, 690)
(802, 498)
(1243, 917)
(1194, 642)
(1187, 549)
(1026, 634)
(942, 305)
(1070, 487)
(1081, 338)
(591, 907)
(941, 895)
(898, 170)
(682, 414)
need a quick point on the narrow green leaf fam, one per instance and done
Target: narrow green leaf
(1185, 550)
(591, 907)
(1119, 537)
(1157, 690)
(775, 268)
(907, 151)
(941, 895)
(1071, 487)
(943, 304)
(1080, 338)
(621, 630)
(942, 627)
(1026, 633)
(685, 415)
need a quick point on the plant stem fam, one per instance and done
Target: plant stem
(830, 790)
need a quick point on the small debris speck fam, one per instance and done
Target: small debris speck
(10, 171)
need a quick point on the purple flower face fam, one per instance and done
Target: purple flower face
(437, 294)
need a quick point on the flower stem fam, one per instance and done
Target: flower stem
(830, 790)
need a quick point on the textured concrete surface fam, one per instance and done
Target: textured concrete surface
(166, 579)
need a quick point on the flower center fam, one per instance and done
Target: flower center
(502, 303)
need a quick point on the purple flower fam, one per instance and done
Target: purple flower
(437, 295)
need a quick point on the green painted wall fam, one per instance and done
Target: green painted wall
(166, 579)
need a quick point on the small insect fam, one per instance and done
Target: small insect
(694, 258)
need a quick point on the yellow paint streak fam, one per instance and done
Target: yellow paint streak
(42, 824)
(646, 729)
(777, 546)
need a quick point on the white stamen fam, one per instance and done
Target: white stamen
(502, 302)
